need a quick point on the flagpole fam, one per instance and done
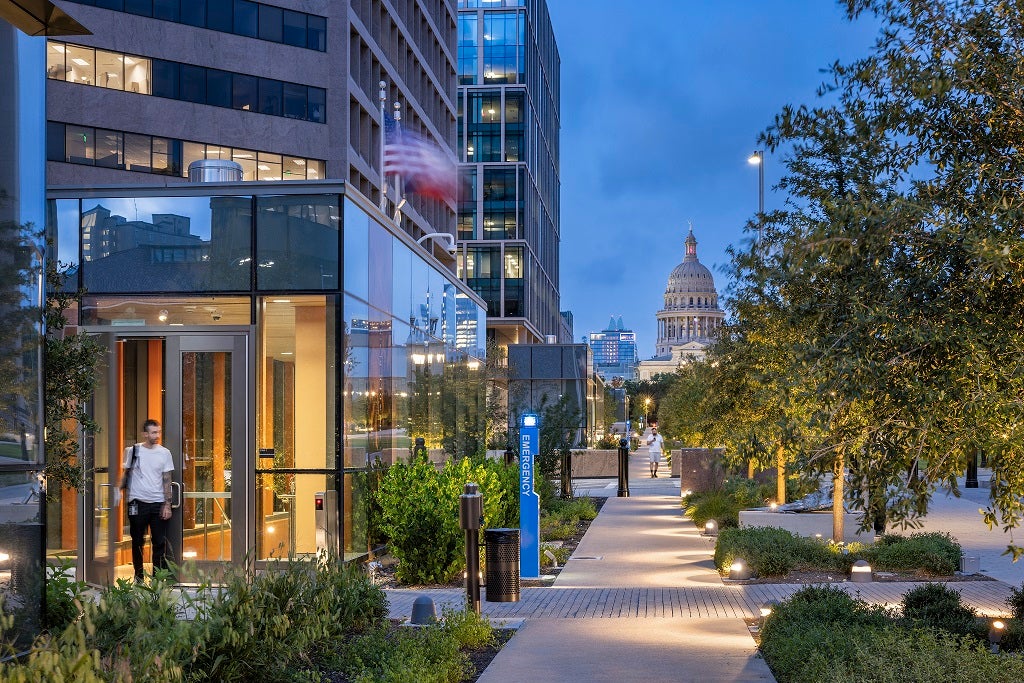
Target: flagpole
(383, 144)
(399, 183)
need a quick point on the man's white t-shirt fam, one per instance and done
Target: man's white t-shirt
(146, 483)
(654, 442)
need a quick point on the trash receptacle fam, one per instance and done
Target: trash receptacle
(502, 573)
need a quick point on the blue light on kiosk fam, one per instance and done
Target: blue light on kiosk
(528, 420)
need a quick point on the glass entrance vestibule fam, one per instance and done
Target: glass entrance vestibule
(289, 340)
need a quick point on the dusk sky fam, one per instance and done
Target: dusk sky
(661, 104)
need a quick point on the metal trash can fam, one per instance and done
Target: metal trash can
(502, 557)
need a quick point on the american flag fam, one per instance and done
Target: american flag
(425, 169)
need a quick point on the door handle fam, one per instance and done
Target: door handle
(176, 488)
(109, 499)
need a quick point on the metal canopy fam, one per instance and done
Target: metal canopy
(40, 18)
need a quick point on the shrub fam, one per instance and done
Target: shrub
(770, 551)
(420, 513)
(805, 636)
(716, 505)
(63, 596)
(747, 493)
(468, 628)
(933, 553)
(1016, 602)
(922, 656)
(427, 655)
(936, 606)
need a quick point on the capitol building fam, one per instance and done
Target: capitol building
(689, 318)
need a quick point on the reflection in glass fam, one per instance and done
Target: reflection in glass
(298, 242)
(166, 244)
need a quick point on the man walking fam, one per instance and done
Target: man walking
(654, 447)
(148, 467)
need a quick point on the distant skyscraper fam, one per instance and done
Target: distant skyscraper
(614, 351)
(507, 144)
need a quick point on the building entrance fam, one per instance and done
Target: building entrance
(196, 386)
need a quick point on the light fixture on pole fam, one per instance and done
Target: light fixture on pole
(757, 158)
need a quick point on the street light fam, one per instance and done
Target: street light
(757, 158)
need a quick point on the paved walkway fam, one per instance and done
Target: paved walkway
(641, 600)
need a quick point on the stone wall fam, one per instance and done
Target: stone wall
(698, 469)
(595, 463)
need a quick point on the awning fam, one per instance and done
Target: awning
(40, 18)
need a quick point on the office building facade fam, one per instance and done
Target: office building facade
(288, 336)
(508, 148)
(614, 351)
(287, 90)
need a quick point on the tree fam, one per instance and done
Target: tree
(897, 263)
(71, 361)
(560, 427)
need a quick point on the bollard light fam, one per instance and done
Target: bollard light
(860, 572)
(995, 634)
(711, 528)
(739, 571)
(774, 507)
(423, 611)
(766, 608)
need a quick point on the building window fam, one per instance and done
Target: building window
(240, 17)
(502, 46)
(167, 156)
(187, 82)
(468, 45)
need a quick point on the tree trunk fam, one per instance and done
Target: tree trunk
(838, 494)
(780, 465)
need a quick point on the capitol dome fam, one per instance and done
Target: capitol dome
(690, 315)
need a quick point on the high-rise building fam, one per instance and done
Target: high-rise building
(614, 351)
(507, 145)
(288, 90)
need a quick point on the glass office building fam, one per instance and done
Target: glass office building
(287, 335)
(614, 351)
(508, 146)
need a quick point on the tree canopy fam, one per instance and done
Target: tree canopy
(878, 324)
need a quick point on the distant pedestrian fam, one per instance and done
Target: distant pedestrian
(655, 445)
(148, 468)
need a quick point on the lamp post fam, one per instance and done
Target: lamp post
(757, 158)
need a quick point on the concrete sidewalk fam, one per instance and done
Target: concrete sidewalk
(640, 598)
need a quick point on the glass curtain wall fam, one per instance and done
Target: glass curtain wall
(354, 357)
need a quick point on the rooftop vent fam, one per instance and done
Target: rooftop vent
(214, 171)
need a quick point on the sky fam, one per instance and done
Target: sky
(661, 105)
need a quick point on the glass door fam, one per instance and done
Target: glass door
(196, 387)
(208, 418)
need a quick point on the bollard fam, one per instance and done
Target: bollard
(623, 468)
(419, 450)
(566, 475)
(471, 514)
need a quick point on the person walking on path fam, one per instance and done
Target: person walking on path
(655, 442)
(147, 484)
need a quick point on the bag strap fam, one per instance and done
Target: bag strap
(131, 466)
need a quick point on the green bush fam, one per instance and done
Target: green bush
(770, 551)
(468, 628)
(823, 635)
(420, 513)
(804, 637)
(63, 596)
(933, 605)
(748, 493)
(1016, 602)
(937, 554)
(716, 505)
